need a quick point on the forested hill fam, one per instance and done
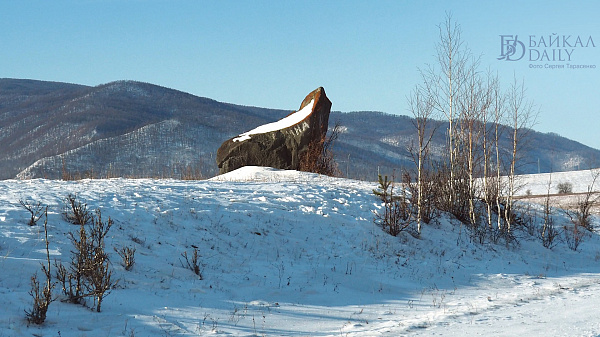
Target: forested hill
(135, 129)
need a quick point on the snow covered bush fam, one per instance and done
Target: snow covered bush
(99, 281)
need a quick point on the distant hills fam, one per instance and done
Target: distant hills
(133, 129)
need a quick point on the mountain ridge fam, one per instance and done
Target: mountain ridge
(137, 129)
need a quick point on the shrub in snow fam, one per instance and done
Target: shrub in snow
(88, 274)
(548, 232)
(583, 210)
(128, 256)
(192, 263)
(41, 298)
(574, 235)
(581, 216)
(319, 156)
(395, 216)
(41, 301)
(36, 211)
(76, 212)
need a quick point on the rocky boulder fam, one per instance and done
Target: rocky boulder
(279, 144)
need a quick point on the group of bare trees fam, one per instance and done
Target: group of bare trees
(485, 132)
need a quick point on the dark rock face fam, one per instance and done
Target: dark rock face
(280, 144)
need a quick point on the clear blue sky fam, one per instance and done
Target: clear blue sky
(272, 53)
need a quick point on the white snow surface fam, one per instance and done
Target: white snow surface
(537, 184)
(283, 123)
(285, 253)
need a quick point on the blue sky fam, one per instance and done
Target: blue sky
(272, 53)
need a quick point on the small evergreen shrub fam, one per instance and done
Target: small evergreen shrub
(395, 216)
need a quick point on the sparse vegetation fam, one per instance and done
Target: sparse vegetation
(272, 255)
(548, 232)
(583, 208)
(395, 216)
(89, 273)
(192, 263)
(574, 235)
(41, 301)
(36, 211)
(100, 280)
(182, 171)
(41, 298)
(319, 157)
(127, 255)
(189, 172)
(76, 212)
(581, 225)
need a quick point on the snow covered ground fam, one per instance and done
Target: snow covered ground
(285, 253)
(537, 184)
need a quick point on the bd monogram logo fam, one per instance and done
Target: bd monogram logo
(558, 51)
(511, 49)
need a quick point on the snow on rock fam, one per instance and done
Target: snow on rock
(283, 123)
(280, 144)
(287, 253)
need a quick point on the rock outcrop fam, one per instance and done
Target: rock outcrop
(279, 144)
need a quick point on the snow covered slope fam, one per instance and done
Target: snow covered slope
(285, 253)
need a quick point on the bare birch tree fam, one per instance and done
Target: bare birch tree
(477, 156)
(522, 117)
(421, 107)
(490, 121)
(474, 104)
(444, 86)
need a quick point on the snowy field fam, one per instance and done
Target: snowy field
(535, 188)
(291, 254)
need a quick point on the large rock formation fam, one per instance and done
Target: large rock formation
(279, 144)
